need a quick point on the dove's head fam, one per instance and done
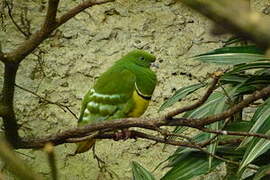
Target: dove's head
(140, 58)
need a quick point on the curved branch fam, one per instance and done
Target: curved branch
(265, 92)
(48, 27)
(198, 103)
(81, 7)
(13, 20)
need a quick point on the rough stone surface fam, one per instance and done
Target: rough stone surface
(85, 47)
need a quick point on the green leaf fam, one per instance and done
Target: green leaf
(233, 79)
(257, 146)
(263, 171)
(205, 109)
(234, 40)
(232, 55)
(216, 109)
(236, 49)
(258, 119)
(140, 173)
(189, 165)
(212, 147)
(174, 158)
(180, 94)
(208, 108)
(242, 126)
(244, 67)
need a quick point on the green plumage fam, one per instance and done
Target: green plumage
(112, 95)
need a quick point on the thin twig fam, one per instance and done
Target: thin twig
(50, 24)
(198, 103)
(198, 146)
(221, 158)
(265, 92)
(62, 106)
(235, 133)
(14, 22)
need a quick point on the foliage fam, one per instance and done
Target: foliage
(140, 172)
(248, 71)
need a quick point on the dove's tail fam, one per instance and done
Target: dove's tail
(85, 146)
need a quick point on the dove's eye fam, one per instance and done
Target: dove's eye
(142, 58)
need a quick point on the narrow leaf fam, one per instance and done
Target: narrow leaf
(180, 94)
(190, 165)
(140, 173)
(244, 67)
(263, 171)
(232, 55)
(258, 146)
(234, 40)
(233, 79)
(259, 117)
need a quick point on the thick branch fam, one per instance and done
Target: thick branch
(236, 17)
(3, 57)
(136, 134)
(6, 104)
(62, 137)
(50, 19)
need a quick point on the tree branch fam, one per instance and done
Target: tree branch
(50, 19)
(13, 20)
(248, 23)
(50, 24)
(6, 104)
(235, 133)
(3, 57)
(65, 108)
(265, 92)
(81, 7)
(198, 103)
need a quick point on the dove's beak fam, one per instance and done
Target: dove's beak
(154, 65)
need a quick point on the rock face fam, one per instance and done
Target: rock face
(66, 65)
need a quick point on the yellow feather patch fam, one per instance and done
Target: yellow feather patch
(140, 106)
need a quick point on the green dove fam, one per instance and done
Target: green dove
(124, 90)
